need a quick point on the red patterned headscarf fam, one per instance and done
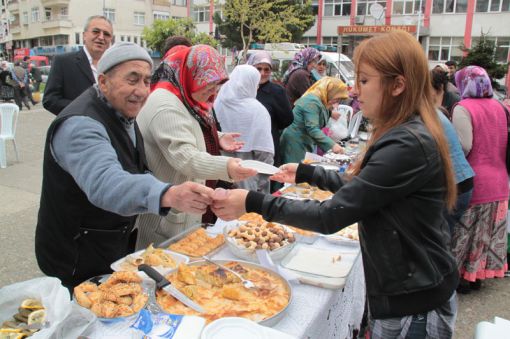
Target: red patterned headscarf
(186, 70)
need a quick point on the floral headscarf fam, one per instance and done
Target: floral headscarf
(473, 82)
(328, 88)
(301, 60)
(186, 70)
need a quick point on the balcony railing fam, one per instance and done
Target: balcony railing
(60, 21)
(15, 29)
(13, 6)
(50, 3)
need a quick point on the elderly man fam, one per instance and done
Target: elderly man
(72, 73)
(95, 179)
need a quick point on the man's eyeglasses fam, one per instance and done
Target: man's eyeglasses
(263, 69)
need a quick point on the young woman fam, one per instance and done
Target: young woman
(397, 194)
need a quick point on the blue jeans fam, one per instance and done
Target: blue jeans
(418, 328)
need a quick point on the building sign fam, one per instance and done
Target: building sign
(375, 29)
(22, 52)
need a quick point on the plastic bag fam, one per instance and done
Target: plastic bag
(338, 128)
(54, 297)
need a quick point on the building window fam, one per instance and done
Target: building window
(109, 13)
(35, 14)
(135, 39)
(492, 5)
(201, 14)
(161, 15)
(128, 38)
(47, 13)
(445, 48)
(61, 40)
(363, 7)
(337, 7)
(25, 18)
(407, 7)
(179, 2)
(64, 12)
(449, 6)
(122, 38)
(502, 49)
(77, 38)
(140, 18)
(46, 41)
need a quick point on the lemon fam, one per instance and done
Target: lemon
(37, 317)
(32, 304)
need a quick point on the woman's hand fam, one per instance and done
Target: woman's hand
(229, 143)
(230, 205)
(335, 115)
(287, 174)
(337, 149)
(237, 172)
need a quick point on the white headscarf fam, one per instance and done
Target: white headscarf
(238, 110)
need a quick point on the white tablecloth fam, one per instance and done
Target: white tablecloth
(314, 313)
(318, 312)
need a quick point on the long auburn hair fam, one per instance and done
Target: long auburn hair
(399, 54)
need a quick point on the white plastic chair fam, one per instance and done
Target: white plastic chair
(345, 109)
(8, 120)
(354, 124)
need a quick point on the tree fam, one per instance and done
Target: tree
(482, 54)
(247, 21)
(162, 29)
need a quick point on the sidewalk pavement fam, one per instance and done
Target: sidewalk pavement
(20, 187)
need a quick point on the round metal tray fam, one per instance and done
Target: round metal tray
(273, 320)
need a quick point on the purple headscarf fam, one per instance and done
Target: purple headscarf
(301, 60)
(473, 82)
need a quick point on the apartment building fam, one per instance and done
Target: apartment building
(50, 27)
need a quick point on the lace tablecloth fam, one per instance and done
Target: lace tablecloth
(318, 312)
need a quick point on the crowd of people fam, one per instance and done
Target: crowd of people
(19, 82)
(136, 156)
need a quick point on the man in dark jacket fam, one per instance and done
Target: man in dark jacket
(95, 177)
(73, 73)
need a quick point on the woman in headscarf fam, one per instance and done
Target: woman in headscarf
(298, 77)
(180, 135)
(311, 113)
(479, 239)
(274, 99)
(238, 110)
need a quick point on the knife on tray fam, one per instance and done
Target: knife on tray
(163, 283)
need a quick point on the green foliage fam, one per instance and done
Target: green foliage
(247, 21)
(482, 54)
(162, 29)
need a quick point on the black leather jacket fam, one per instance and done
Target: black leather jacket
(398, 199)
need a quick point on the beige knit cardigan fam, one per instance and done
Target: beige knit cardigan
(175, 150)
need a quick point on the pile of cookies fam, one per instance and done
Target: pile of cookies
(261, 235)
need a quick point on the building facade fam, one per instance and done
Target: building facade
(50, 27)
(443, 26)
